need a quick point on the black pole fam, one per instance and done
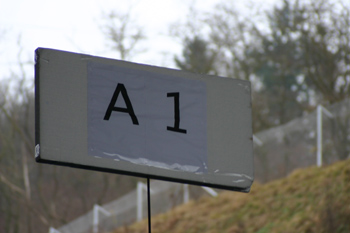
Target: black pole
(149, 205)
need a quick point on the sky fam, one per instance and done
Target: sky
(75, 25)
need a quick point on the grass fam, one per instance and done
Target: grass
(309, 200)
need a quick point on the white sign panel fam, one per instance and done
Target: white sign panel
(116, 116)
(146, 118)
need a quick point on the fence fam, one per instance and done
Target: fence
(298, 143)
(277, 152)
(127, 209)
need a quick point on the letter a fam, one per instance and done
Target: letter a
(111, 107)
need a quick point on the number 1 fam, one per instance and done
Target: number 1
(176, 127)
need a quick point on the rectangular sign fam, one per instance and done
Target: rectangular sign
(116, 116)
(147, 118)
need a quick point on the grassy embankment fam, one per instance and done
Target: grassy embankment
(309, 200)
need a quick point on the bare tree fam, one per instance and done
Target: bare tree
(229, 34)
(33, 196)
(325, 38)
(123, 33)
(300, 56)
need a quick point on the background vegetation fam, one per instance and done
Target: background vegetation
(296, 54)
(308, 200)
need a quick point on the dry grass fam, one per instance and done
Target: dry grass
(309, 200)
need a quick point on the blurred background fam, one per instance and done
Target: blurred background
(295, 53)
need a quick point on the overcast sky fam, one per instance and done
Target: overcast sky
(73, 25)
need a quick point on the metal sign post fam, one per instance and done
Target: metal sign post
(149, 206)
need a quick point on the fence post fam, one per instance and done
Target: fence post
(257, 140)
(140, 188)
(186, 193)
(210, 191)
(320, 110)
(95, 219)
(53, 230)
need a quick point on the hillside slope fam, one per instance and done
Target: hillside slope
(309, 200)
